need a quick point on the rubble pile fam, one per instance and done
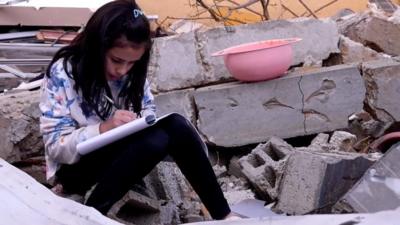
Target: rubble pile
(340, 93)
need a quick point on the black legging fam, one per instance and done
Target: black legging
(118, 166)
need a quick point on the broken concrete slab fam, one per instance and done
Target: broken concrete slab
(364, 27)
(314, 181)
(19, 126)
(330, 96)
(387, 40)
(175, 63)
(264, 167)
(382, 84)
(354, 52)
(310, 30)
(378, 189)
(25, 201)
(198, 67)
(176, 101)
(297, 104)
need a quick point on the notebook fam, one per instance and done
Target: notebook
(117, 133)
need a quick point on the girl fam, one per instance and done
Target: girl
(109, 59)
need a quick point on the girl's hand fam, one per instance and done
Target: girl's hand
(119, 118)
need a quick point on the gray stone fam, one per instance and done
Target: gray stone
(387, 40)
(378, 189)
(383, 85)
(170, 186)
(365, 28)
(137, 209)
(294, 105)
(312, 31)
(176, 101)
(19, 126)
(314, 181)
(174, 63)
(339, 141)
(264, 167)
(354, 52)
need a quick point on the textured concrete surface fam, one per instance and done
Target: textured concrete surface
(314, 181)
(294, 105)
(378, 189)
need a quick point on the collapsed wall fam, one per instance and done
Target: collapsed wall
(308, 100)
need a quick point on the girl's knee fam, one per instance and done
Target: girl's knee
(177, 121)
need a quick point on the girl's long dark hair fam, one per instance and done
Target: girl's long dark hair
(87, 54)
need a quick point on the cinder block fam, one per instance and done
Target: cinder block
(264, 167)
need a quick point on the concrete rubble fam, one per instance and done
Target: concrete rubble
(298, 143)
(25, 201)
(383, 178)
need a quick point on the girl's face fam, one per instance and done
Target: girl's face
(120, 59)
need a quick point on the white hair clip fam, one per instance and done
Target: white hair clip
(137, 13)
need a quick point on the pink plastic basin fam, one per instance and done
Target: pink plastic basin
(258, 61)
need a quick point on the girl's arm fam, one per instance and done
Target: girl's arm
(61, 132)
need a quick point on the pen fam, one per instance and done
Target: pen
(111, 101)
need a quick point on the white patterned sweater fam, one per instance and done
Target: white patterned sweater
(67, 121)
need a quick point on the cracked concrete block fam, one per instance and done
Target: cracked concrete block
(354, 52)
(135, 208)
(297, 104)
(174, 63)
(382, 81)
(330, 97)
(19, 126)
(312, 31)
(264, 167)
(176, 101)
(378, 189)
(314, 181)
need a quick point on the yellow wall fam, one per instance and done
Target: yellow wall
(182, 8)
